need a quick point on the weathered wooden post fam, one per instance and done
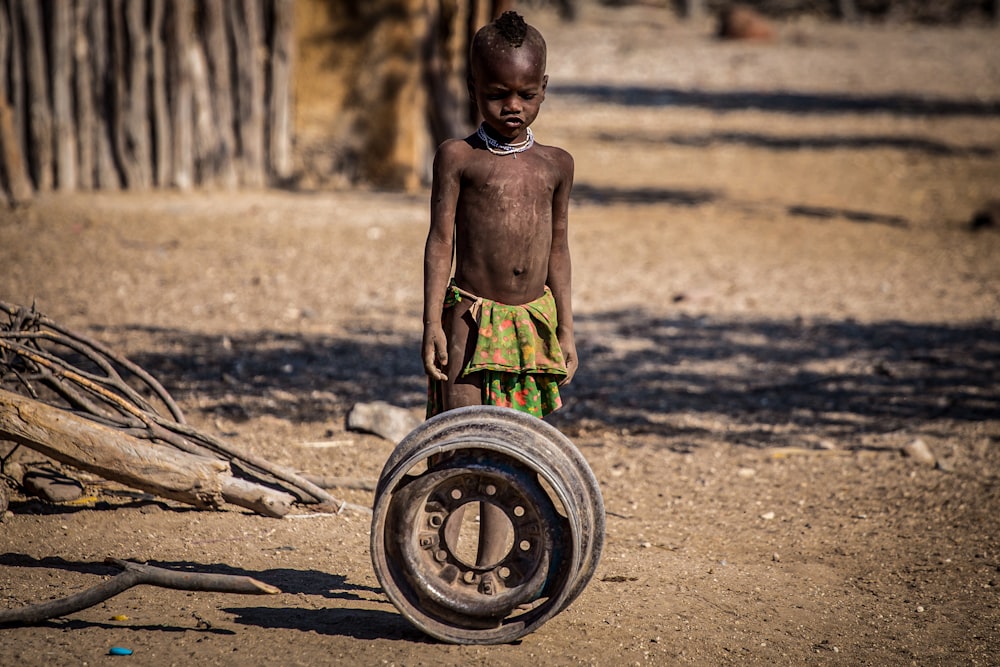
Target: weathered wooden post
(692, 9)
(848, 10)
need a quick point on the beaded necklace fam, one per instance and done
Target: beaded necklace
(498, 148)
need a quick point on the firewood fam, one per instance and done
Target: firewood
(119, 457)
(38, 350)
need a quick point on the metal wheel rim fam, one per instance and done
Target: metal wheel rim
(513, 449)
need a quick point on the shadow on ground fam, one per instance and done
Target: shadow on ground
(598, 195)
(291, 581)
(353, 622)
(783, 142)
(836, 378)
(366, 624)
(779, 101)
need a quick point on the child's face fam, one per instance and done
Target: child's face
(509, 91)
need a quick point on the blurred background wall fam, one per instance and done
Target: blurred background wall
(138, 94)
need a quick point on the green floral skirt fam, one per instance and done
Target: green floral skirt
(517, 353)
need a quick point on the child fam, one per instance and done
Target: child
(500, 331)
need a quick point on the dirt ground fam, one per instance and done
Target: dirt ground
(777, 289)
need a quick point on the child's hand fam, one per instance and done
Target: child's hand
(435, 349)
(572, 363)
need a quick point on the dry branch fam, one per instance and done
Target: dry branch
(134, 574)
(114, 455)
(27, 324)
(33, 351)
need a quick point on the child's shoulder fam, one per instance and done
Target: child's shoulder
(453, 152)
(454, 146)
(558, 155)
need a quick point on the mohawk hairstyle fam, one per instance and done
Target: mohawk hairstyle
(508, 32)
(512, 27)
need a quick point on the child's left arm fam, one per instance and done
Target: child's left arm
(560, 276)
(438, 256)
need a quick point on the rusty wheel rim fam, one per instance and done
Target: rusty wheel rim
(522, 465)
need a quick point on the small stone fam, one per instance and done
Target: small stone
(918, 450)
(389, 421)
(767, 516)
(646, 545)
(51, 486)
(746, 473)
(920, 609)
(776, 557)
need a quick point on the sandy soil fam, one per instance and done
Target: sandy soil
(776, 290)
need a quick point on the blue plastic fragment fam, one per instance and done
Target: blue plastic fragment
(119, 650)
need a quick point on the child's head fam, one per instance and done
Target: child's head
(504, 37)
(507, 73)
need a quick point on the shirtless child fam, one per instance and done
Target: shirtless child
(500, 332)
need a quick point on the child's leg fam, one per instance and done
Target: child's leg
(493, 527)
(462, 333)
(459, 392)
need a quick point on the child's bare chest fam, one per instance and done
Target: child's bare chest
(508, 181)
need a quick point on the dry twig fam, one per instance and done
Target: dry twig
(64, 369)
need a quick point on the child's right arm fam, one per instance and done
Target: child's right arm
(438, 255)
